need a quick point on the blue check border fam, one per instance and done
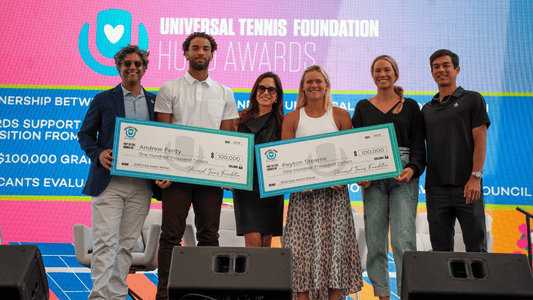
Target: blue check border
(394, 147)
(250, 138)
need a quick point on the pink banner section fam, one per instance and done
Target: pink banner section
(44, 221)
(71, 43)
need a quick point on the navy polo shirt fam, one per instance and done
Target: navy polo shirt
(450, 144)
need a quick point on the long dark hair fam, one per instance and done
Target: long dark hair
(248, 114)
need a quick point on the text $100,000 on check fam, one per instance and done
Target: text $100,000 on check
(325, 160)
(154, 150)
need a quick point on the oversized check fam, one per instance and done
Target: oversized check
(326, 160)
(180, 153)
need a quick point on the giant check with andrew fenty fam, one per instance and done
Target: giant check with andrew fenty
(181, 153)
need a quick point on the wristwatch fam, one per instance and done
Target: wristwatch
(477, 174)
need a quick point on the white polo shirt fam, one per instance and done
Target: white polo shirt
(196, 103)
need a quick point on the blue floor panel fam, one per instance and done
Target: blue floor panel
(69, 282)
(54, 262)
(53, 249)
(85, 278)
(52, 285)
(78, 295)
(71, 262)
(152, 277)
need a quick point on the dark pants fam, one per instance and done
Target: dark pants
(177, 200)
(444, 204)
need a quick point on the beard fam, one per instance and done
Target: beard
(199, 67)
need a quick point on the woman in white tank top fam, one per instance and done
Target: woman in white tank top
(320, 228)
(310, 126)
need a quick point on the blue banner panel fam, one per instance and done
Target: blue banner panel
(40, 154)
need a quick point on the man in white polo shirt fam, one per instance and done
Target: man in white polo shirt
(195, 100)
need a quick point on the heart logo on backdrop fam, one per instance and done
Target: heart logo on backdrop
(113, 34)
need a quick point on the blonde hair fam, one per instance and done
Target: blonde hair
(301, 101)
(391, 60)
(397, 89)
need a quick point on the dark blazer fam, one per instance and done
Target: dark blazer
(97, 133)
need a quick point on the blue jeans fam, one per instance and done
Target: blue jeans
(388, 200)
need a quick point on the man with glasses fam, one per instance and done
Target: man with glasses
(119, 204)
(195, 100)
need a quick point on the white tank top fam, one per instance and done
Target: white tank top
(311, 126)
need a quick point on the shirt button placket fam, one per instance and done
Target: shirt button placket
(199, 92)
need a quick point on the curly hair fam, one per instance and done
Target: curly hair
(121, 54)
(193, 35)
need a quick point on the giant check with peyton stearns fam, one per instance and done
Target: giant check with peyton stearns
(325, 160)
(180, 153)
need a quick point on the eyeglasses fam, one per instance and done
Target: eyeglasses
(128, 63)
(271, 90)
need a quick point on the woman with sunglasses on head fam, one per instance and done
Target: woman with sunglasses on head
(320, 229)
(258, 219)
(391, 200)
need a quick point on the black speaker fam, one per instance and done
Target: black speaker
(22, 274)
(230, 273)
(462, 276)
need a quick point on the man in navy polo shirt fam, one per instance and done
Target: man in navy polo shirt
(456, 123)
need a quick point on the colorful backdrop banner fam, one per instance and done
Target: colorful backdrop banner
(57, 55)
